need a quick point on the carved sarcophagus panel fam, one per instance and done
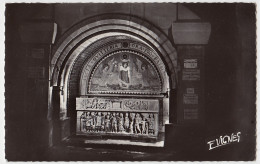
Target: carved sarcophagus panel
(110, 116)
(112, 104)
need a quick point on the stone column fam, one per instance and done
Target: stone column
(191, 39)
(189, 128)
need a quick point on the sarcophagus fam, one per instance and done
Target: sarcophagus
(116, 116)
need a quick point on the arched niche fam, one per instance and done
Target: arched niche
(141, 61)
(155, 49)
(123, 72)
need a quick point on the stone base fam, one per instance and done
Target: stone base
(104, 141)
(124, 142)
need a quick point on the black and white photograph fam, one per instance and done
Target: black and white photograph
(129, 81)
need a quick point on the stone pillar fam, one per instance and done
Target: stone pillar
(38, 38)
(191, 39)
(189, 129)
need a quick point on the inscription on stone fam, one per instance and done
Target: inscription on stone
(191, 70)
(191, 74)
(190, 97)
(190, 63)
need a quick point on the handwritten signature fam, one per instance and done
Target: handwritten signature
(224, 140)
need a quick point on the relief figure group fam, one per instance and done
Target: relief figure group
(118, 122)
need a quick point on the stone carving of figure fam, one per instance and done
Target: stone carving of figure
(117, 115)
(83, 120)
(87, 104)
(103, 121)
(121, 123)
(138, 120)
(131, 125)
(94, 103)
(88, 122)
(114, 122)
(144, 125)
(126, 123)
(107, 123)
(151, 124)
(98, 122)
(124, 75)
(93, 121)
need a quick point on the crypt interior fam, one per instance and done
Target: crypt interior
(129, 81)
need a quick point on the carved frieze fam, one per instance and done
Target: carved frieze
(122, 123)
(114, 104)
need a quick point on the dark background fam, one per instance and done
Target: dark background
(230, 89)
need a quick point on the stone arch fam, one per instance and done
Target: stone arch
(97, 27)
(86, 33)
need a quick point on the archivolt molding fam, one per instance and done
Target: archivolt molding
(89, 28)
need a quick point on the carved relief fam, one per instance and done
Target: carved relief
(110, 104)
(125, 72)
(135, 105)
(118, 122)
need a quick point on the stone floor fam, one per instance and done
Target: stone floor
(72, 153)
